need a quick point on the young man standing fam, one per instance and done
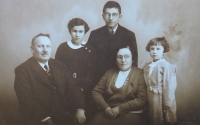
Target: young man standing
(107, 39)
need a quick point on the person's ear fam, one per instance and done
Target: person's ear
(31, 47)
(120, 16)
(103, 16)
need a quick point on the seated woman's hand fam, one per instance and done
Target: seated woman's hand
(80, 116)
(166, 107)
(115, 110)
(109, 113)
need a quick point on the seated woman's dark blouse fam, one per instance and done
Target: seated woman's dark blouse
(131, 98)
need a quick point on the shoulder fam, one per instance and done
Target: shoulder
(164, 63)
(166, 66)
(126, 31)
(56, 62)
(137, 70)
(111, 71)
(146, 65)
(64, 44)
(26, 66)
(99, 30)
(62, 48)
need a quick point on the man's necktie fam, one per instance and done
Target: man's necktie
(47, 69)
(48, 72)
(112, 32)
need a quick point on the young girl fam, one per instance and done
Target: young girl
(160, 77)
(80, 58)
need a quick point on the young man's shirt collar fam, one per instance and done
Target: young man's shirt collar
(110, 30)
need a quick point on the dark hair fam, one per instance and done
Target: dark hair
(112, 4)
(78, 22)
(127, 47)
(160, 40)
(40, 34)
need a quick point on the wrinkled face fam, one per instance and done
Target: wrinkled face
(111, 17)
(156, 52)
(124, 59)
(41, 49)
(77, 33)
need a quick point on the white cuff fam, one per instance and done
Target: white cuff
(81, 110)
(45, 119)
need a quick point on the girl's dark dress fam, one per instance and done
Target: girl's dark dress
(81, 62)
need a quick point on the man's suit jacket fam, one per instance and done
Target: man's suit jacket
(106, 46)
(41, 95)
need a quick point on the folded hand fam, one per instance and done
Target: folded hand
(115, 110)
(80, 116)
(109, 113)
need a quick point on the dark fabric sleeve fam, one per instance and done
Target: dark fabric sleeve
(92, 71)
(28, 104)
(90, 39)
(59, 53)
(99, 92)
(74, 93)
(135, 50)
(141, 97)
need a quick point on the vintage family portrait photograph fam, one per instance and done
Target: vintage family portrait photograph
(99, 62)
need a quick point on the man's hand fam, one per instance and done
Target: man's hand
(115, 110)
(80, 116)
(49, 122)
(109, 113)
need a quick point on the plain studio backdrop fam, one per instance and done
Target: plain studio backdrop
(177, 20)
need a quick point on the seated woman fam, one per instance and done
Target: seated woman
(121, 93)
(80, 58)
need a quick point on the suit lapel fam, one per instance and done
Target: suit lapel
(55, 72)
(132, 76)
(115, 41)
(39, 72)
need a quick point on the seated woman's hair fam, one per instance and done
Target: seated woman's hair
(125, 46)
(158, 41)
(78, 22)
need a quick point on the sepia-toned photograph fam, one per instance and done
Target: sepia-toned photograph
(99, 62)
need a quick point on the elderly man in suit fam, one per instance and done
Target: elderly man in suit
(44, 88)
(107, 39)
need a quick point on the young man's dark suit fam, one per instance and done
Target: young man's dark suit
(106, 45)
(41, 95)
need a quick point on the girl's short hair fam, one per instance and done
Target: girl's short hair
(156, 41)
(78, 22)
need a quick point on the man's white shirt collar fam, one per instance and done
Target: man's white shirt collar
(110, 30)
(42, 65)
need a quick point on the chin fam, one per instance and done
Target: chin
(123, 69)
(111, 26)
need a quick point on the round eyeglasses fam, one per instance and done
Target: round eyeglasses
(113, 15)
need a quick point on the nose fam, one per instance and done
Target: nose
(123, 59)
(77, 34)
(110, 17)
(45, 49)
(154, 51)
